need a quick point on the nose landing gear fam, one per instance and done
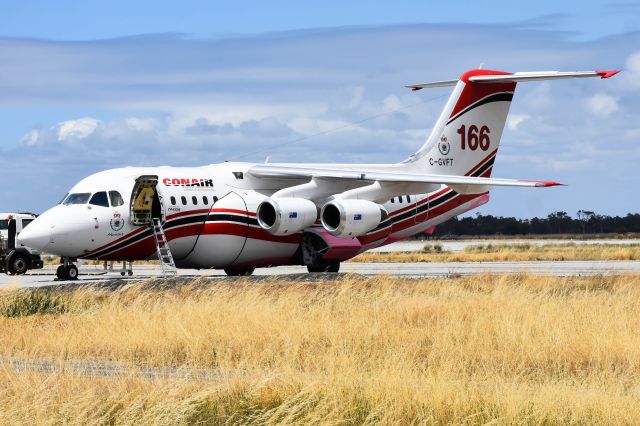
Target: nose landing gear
(67, 271)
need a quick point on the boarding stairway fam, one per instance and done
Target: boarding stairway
(164, 252)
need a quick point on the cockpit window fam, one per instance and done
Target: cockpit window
(79, 198)
(116, 198)
(100, 199)
(63, 198)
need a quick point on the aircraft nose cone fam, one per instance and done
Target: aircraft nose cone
(37, 235)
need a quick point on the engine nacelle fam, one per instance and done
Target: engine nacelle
(351, 218)
(285, 216)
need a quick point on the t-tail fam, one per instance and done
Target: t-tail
(466, 137)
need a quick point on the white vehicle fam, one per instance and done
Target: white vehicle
(16, 260)
(239, 216)
(22, 220)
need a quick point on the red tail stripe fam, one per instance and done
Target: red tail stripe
(473, 92)
(481, 163)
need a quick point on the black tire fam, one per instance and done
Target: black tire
(239, 272)
(72, 272)
(324, 266)
(66, 273)
(18, 263)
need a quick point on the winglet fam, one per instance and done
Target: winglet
(607, 73)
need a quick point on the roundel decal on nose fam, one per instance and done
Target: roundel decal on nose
(117, 222)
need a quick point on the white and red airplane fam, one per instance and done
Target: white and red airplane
(239, 216)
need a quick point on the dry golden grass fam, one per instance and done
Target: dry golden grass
(512, 253)
(504, 349)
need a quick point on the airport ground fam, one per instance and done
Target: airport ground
(474, 349)
(416, 259)
(381, 342)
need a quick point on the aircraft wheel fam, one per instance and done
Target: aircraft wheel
(18, 264)
(69, 272)
(239, 272)
(325, 266)
(72, 272)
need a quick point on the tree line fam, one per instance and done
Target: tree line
(585, 222)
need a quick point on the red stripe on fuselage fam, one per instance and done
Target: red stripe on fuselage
(187, 213)
(234, 211)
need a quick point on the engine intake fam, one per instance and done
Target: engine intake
(285, 216)
(351, 218)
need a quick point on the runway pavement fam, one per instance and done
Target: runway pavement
(458, 246)
(46, 277)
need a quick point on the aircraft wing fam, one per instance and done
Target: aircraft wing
(464, 183)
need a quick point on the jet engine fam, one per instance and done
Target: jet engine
(285, 216)
(351, 218)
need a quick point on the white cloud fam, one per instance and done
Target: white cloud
(142, 124)
(76, 129)
(30, 138)
(326, 90)
(601, 105)
(357, 95)
(392, 102)
(632, 134)
(633, 63)
(514, 120)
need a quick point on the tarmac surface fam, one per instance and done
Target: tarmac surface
(97, 274)
(458, 246)
(94, 274)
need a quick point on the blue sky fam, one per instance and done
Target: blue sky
(88, 85)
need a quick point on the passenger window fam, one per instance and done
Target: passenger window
(205, 200)
(194, 199)
(184, 200)
(99, 199)
(80, 198)
(408, 198)
(173, 200)
(115, 198)
(392, 200)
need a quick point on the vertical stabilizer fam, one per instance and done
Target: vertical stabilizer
(466, 137)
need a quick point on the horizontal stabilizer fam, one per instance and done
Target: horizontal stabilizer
(519, 77)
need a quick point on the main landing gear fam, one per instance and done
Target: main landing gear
(321, 265)
(313, 248)
(244, 272)
(67, 271)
